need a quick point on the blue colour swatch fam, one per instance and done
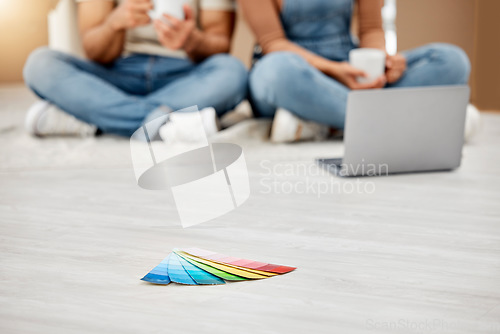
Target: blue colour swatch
(176, 271)
(159, 274)
(198, 275)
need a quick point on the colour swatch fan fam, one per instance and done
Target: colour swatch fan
(195, 266)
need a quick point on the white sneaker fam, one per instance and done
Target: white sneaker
(472, 122)
(242, 112)
(210, 121)
(190, 127)
(45, 119)
(288, 128)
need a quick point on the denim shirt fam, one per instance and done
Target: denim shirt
(320, 26)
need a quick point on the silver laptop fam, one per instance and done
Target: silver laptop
(402, 130)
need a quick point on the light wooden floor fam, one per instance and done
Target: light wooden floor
(421, 254)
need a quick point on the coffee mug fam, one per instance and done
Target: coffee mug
(170, 7)
(370, 61)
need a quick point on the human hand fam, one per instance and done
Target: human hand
(347, 75)
(130, 14)
(395, 67)
(176, 34)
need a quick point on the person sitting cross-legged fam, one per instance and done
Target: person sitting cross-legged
(302, 77)
(138, 69)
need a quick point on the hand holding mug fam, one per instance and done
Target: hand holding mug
(349, 76)
(131, 14)
(174, 33)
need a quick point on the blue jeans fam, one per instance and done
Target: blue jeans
(286, 80)
(120, 97)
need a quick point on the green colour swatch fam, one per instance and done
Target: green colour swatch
(212, 270)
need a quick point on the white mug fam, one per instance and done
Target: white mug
(170, 7)
(370, 61)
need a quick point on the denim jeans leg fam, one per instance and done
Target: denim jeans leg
(435, 65)
(83, 93)
(286, 80)
(219, 82)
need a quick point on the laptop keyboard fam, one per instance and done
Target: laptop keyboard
(336, 161)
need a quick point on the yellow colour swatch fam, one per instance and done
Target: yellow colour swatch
(247, 273)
